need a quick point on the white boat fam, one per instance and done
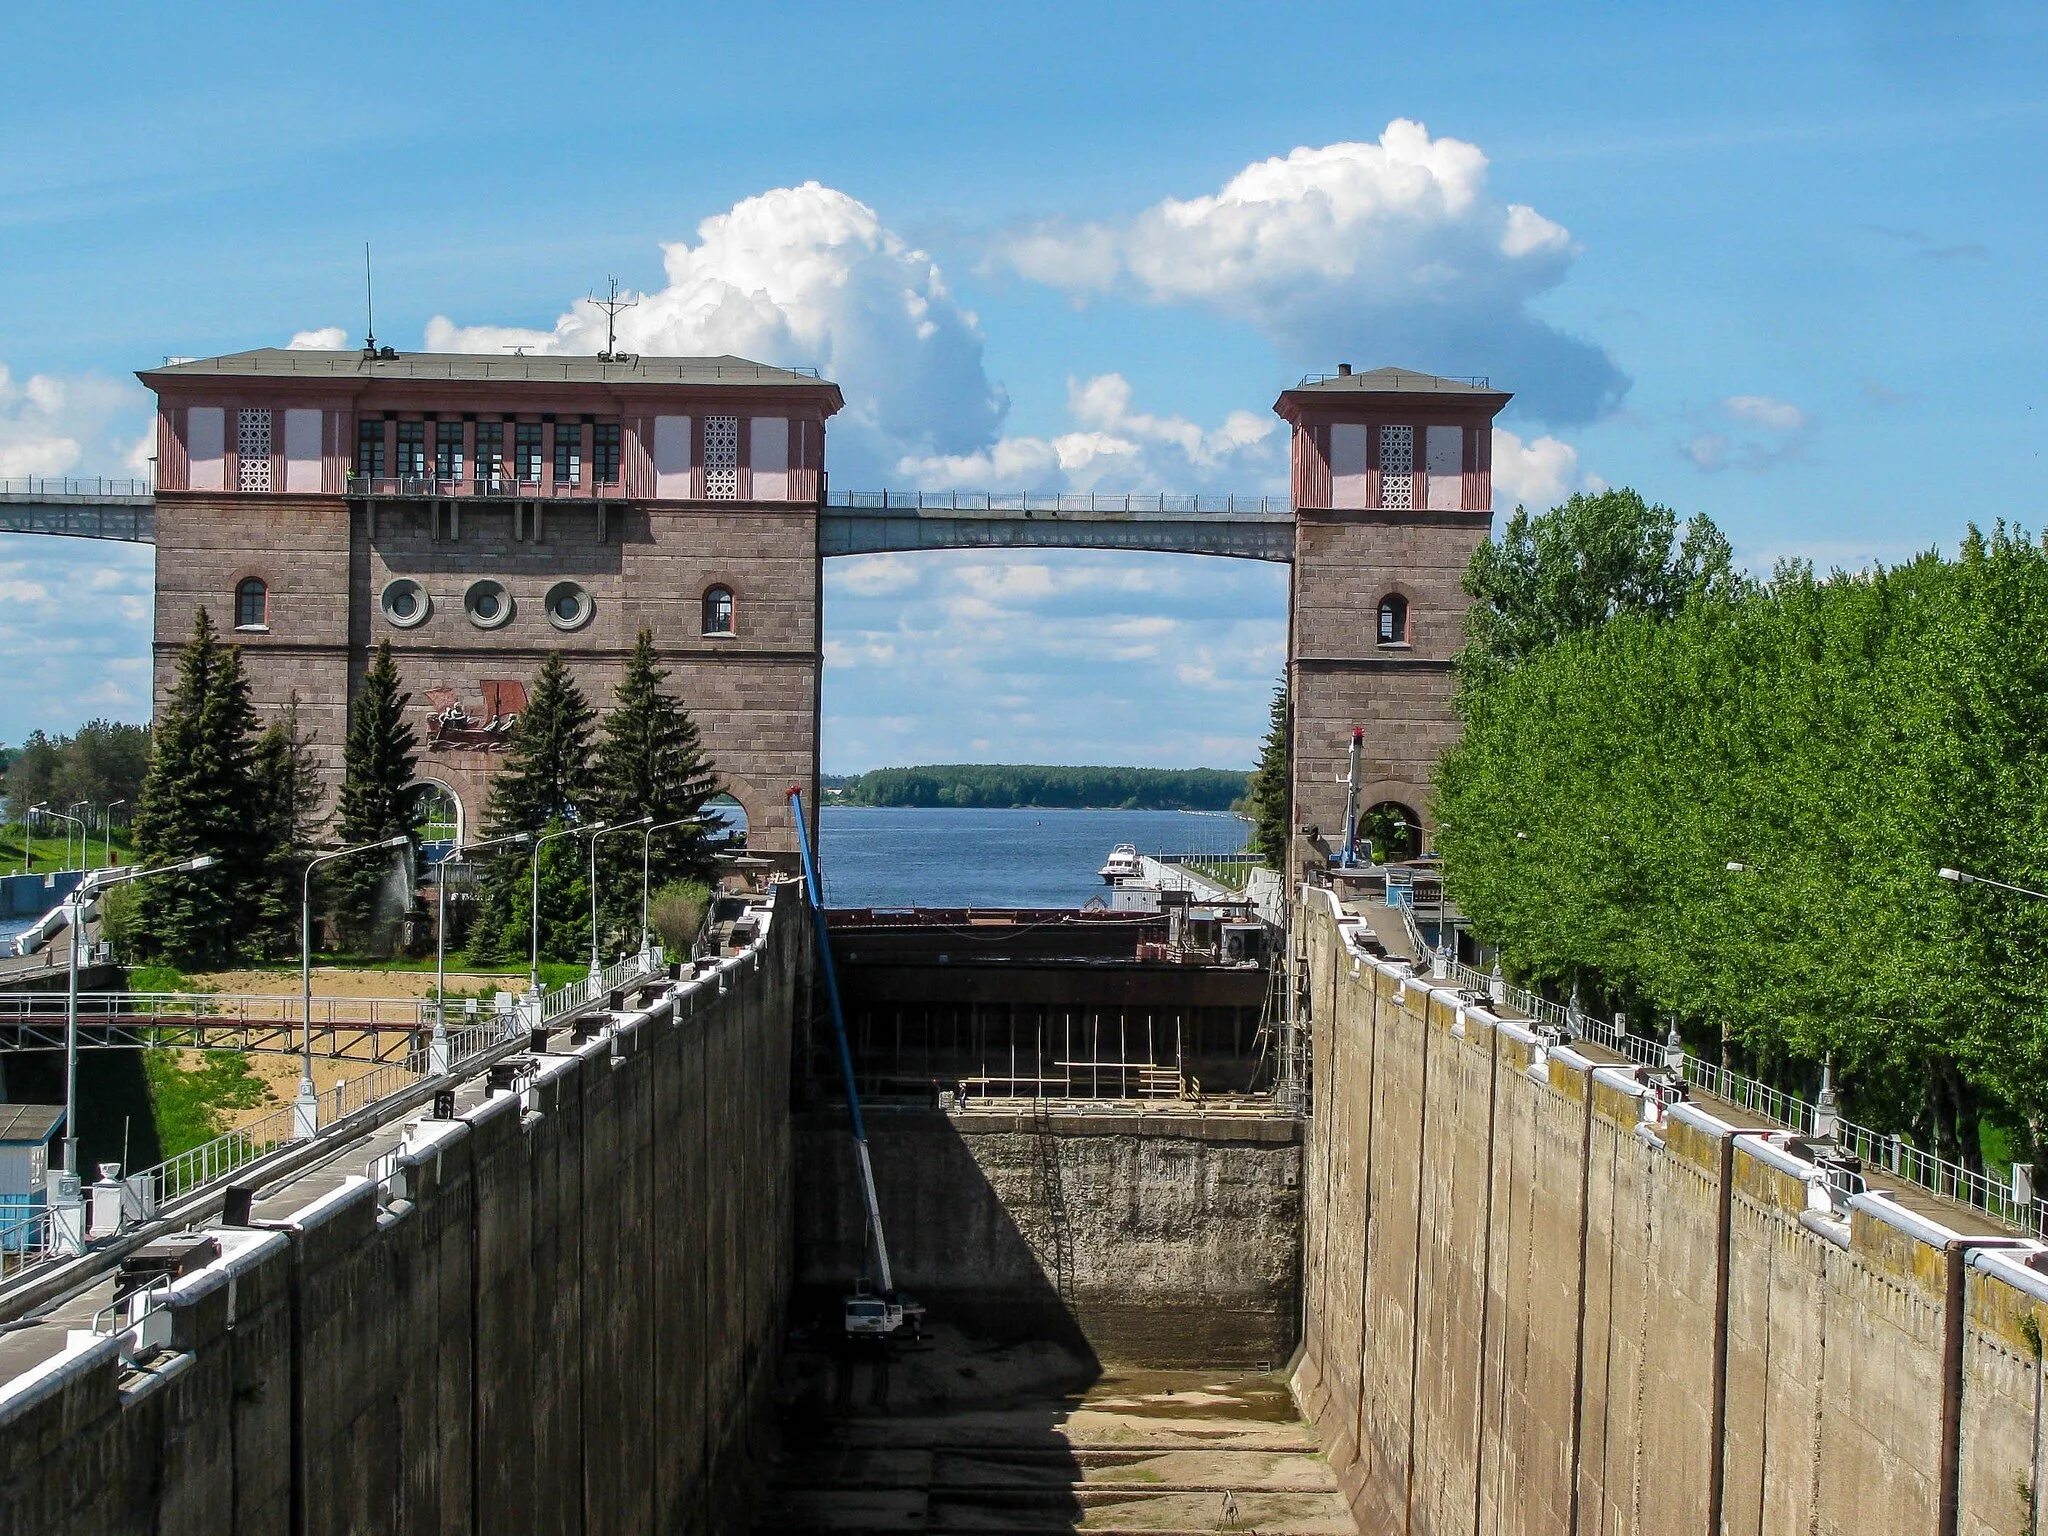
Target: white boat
(1124, 864)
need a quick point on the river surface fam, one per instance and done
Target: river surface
(885, 856)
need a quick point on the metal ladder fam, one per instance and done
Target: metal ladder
(1055, 1199)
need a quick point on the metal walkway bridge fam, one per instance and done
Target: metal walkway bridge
(858, 523)
(354, 1028)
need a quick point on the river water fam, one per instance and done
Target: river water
(877, 856)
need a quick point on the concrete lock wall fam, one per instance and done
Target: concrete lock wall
(1535, 1303)
(557, 1313)
(1147, 1239)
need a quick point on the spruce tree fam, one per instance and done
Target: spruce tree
(545, 784)
(380, 798)
(651, 762)
(288, 811)
(1266, 797)
(199, 797)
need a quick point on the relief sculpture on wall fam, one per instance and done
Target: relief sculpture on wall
(452, 727)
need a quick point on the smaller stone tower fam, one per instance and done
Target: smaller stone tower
(1393, 490)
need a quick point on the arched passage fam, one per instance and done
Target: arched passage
(441, 819)
(1390, 830)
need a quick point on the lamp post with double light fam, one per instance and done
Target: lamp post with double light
(533, 954)
(597, 969)
(453, 855)
(108, 827)
(306, 1109)
(646, 847)
(46, 809)
(74, 920)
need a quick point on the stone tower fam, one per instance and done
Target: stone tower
(1392, 490)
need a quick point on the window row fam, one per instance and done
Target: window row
(406, 604)
(476, 449)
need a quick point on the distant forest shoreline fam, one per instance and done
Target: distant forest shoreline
(1004, 786)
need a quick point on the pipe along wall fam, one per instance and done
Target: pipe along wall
(558, 1312)
(1535, 1305)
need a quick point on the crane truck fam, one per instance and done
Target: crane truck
(867, 1313)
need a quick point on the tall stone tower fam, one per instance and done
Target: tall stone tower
(1393, 490)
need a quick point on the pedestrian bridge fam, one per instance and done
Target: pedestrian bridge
(858, 523)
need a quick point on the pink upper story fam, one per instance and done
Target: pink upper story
(283, 422)
(1392, 440)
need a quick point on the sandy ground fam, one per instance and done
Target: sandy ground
(280, 1073)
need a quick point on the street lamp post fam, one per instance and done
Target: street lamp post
(306, 1110)
(439, 1047)
(46, 810)
(596, 969)
(1964, 877)
(108, 828)
(533, 960)
(646, 847)
(84, 833)
(74, 920)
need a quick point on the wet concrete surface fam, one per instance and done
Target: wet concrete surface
(964, 1436)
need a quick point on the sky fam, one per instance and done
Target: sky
(1773, 264)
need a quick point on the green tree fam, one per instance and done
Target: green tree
(1601, 554)
(546, 783)
(199, 797)
(1266, 797)
(287, 781)
(380, 798)
(650, 762)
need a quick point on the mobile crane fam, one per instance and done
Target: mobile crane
(867, 1314)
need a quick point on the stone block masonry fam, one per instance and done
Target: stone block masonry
(1155, 1239)
(558, 1312)
(1537, 1302)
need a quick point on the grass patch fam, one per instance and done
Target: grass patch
(190, 1104)
(44, 853)
(161, 978)
(1230, 874)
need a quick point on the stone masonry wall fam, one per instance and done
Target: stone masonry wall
(754, 694)
(1155, 1240)
(568, 1321)
(1532, 1308)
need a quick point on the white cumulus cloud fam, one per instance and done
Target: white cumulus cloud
(1115, 447)
(328, 338)
(1538, 473)
(1750, 432)
(1396, 250)
(804, 275)
(64, 426)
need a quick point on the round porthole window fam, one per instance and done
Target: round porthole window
(405, 603)
(569, 605)
(487, 603)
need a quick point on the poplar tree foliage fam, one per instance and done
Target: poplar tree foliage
(650, 762)
(380, 798)
(199, 796)
(1574, 567)
(1841, 739)
(1265, 800)
(546, 784)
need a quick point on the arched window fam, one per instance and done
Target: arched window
(1393, 619)
(718, 610)
(252, 604)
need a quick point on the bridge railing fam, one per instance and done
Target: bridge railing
(96, 1008)
(2000, 1199)
(34, 1238)
(1135, 503)
(37, 487)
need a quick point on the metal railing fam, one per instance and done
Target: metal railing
(38, 487)
(489, 487)
(1889, 1150)
(105, 1008)
(1136, 503)
(35, 1238)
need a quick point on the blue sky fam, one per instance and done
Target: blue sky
(1775, 264)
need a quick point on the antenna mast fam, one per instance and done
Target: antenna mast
(611, 304)
(369, 306)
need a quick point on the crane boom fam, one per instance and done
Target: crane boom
(860, 1134)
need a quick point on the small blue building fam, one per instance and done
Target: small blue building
(26, 1131)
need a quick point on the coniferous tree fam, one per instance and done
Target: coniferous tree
(1266, 797)
(380, 798)
(651, 762)
(288, 813)
(199, 797)
(546, 783)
